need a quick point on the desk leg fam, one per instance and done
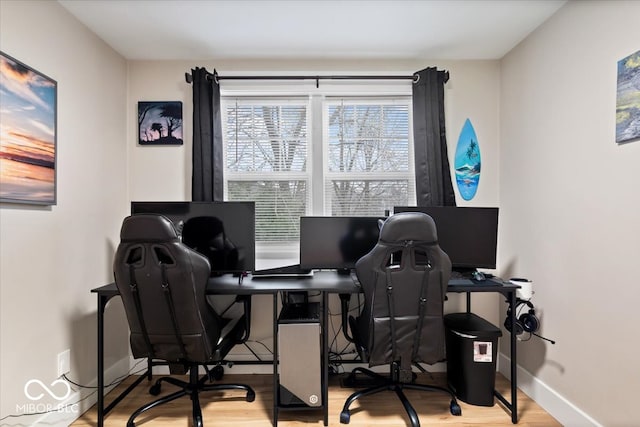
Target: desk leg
(325, 358)
(513, 406)
(514, 360)
(102, 302)
(275, 359)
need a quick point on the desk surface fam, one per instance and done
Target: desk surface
(324, 281)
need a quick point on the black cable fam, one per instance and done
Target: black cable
(262, 344)
(333, 329)
(336, 357)
(116, 381)
(336, 333)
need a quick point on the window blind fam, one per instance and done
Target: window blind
(368, 156)
(266, 150)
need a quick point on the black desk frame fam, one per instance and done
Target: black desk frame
(508, 290)
(326, 283)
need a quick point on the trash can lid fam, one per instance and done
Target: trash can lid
(471, 324)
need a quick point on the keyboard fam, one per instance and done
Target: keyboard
(293, 271)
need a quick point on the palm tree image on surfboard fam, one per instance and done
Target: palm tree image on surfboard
(467, 162)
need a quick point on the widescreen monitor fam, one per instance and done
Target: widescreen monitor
(336, 242)
(222, 231)
(469, 235)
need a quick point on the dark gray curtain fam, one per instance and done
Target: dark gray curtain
(207, 177)
(433, 176)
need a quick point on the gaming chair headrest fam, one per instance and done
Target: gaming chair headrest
(416, 226)
(148, 228)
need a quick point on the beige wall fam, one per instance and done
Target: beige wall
(569, 206)
(52, 257)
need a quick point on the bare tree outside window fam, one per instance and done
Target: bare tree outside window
(368, 155)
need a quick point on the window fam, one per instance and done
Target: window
(368, 169)
(266, 162)
(362, 166)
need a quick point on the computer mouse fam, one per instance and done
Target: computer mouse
(478, 275)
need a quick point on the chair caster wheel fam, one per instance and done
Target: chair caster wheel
(345, 417)
(154, 390)
(217, 372)
(251, 396)
(455, 408)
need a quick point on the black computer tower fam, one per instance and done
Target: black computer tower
(300, 356)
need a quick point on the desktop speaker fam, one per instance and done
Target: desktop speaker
(300, 360)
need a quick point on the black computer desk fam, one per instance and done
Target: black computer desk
(325, 282)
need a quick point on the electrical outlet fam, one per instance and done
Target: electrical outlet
(64, 362)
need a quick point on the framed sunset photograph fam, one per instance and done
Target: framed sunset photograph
(28, 122)
(628, 99)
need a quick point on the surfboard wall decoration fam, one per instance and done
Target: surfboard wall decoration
(467, 162)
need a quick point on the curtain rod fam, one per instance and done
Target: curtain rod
(415, 77)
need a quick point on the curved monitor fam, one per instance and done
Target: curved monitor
(469, 235)
(222, 231)
(336, 242)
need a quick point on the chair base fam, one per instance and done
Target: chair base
(393, 384)
(191, 389)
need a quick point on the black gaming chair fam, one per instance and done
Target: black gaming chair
(162, 283)
(404, 279)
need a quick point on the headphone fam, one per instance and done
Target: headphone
(527, 322)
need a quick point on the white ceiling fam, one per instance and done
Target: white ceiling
(295, 29)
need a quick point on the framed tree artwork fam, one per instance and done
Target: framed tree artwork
(160, 123)
(28, 134)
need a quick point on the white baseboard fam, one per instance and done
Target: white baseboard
(550, 400)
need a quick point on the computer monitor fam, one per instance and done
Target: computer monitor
(469, 235)
(222, 231)
(336, 242)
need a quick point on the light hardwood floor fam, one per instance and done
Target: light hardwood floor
(382, 410)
